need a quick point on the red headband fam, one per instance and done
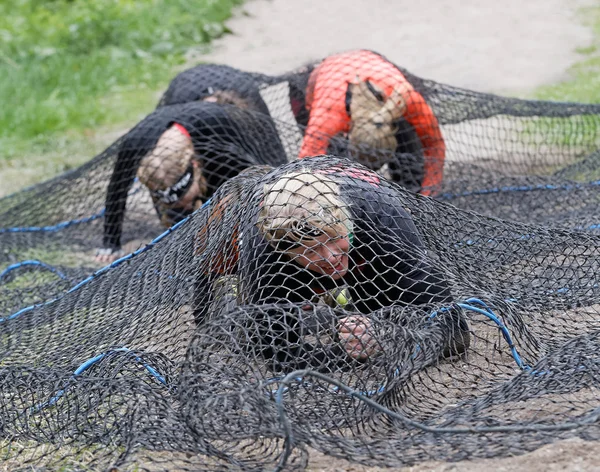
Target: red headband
(182, 129)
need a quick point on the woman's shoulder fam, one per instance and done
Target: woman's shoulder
(379, 205)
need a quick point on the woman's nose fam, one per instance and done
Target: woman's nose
(331, 253)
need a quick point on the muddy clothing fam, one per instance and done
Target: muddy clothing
(226, 140)
(327, 102)
(388, 267)
(388, 264)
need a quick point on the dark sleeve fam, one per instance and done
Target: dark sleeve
(202, 298)
(120, 183)
(406, 166)
(286, 337)
(421, 281)
(137, 143)
(393, 247)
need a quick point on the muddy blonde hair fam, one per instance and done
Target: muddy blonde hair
(169, 159)
(374, 123)
(300, 207)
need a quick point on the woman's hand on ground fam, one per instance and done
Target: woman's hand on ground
(108, 255)
(356, 336)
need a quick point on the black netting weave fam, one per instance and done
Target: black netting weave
(469, 319)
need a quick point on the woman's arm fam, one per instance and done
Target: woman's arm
(290, 337)
(394, 250)
(136, 144)
(120, 183)
(420, 115)
(327, 117)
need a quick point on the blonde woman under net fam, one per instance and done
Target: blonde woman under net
(336, 234)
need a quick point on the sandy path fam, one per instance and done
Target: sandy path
(573, 455)
(509, 46)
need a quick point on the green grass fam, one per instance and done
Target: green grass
(69, 68)
(583, 83)
(580, 133)
(57, 257)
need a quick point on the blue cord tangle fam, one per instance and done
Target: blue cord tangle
(469, 304)
(89, 363)
(32, 263)
(99, 272)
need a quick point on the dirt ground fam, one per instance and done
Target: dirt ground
(509, 47)
(572, 455)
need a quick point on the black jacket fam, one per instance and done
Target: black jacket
(226, 140)
(203, 80)
(388, 267)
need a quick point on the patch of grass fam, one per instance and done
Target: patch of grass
(581, 134)
(583, 83)
(576, 135)
(29, 279)
(70, 67)
(57, 257)
(28, 162)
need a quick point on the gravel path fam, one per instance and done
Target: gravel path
(507, 47)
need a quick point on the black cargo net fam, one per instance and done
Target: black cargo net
(312, 305)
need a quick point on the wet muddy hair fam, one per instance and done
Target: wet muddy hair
(167, 170)
(301, 207)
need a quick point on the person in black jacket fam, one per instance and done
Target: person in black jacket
(182, 154)
(332, 234)
(228, 85)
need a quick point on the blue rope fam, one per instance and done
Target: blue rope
(589, 227)
(469, 305)
(522, 188)
(42, 265)
(487, 311)
(64, 224)
(89, 363)
(99, 272)
(57, 227)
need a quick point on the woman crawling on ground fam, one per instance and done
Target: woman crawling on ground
(365, 99)
(182, 154)
(325, 232)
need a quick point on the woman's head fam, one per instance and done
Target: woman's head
(171, 173)
(303, 216)
(374, 122)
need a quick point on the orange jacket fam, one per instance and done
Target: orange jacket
(326, 103)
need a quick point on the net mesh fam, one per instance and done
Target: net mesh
(313, 303)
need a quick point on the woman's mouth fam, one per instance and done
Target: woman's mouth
(331, 269)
